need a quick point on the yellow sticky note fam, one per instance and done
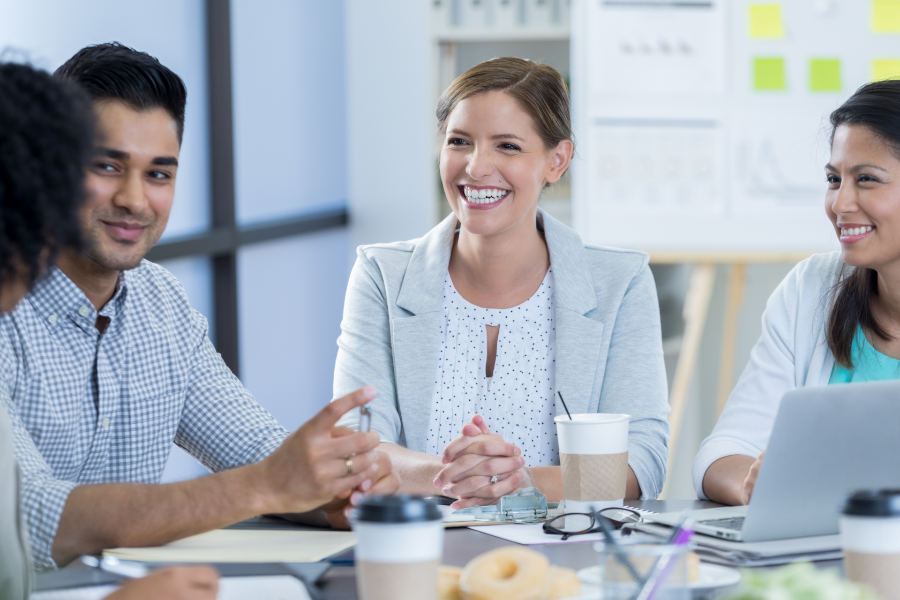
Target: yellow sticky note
(886, 16)
(824, 75)
(768, 74)
(765, 21)
(885, 69)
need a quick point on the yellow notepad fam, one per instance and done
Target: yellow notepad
(245, 545)
(885, 69)
(886, 16)
(765, 21)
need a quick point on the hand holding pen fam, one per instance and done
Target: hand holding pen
(190, 583)
(389, 482)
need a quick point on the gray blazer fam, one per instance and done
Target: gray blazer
(608, 340)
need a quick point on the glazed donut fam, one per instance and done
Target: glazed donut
(563, 584)
(448, 582)
(506, 574)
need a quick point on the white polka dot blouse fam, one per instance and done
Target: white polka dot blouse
(517, 402)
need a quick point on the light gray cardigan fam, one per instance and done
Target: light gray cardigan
(608, 341)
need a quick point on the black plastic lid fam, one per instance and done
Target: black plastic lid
(873, 503)
(398, 509)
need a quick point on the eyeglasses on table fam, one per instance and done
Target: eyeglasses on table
(571, 524)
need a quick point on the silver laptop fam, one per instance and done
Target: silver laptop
(826, 442)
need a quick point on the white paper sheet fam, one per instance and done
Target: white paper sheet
(533, 534)
(94, 592)
(274, 587)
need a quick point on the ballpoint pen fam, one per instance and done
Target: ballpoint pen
(365, 419)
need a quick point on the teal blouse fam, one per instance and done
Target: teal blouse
(868, 364)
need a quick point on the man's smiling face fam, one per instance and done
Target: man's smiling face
(130, 184)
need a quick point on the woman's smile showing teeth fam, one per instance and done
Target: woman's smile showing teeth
(852, 232)
(485, 197)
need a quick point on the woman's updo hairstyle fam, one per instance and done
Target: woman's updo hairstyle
(539, 89)
(875, 106)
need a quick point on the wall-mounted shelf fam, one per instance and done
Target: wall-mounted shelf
(460, 35)
(500, 20)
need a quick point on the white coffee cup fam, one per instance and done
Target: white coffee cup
(593, 452)
(399, 545)
(870, 538)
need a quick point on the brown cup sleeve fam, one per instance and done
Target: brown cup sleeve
(880, 572)
(589, 477)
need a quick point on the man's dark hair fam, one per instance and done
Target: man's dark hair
(46, 137)
(116, 72)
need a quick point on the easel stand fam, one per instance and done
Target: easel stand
(695, 313)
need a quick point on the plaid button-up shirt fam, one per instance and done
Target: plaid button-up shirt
(91, 408)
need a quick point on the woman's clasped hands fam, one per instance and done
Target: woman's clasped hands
(473, 459)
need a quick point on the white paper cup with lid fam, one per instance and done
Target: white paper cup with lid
(593, 453)
(870, 538)
(399, 546)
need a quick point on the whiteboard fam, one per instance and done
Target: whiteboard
(682, 145)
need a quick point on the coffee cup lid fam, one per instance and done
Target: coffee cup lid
(873, 503)
(398, 509)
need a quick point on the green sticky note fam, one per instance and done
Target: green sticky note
(824, 75)
(885, 69)
(765, 21)
(768, 74)
(886, 16)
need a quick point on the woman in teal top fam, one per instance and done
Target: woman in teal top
(868, 364)
(836, 317)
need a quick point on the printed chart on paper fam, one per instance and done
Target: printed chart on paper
(703, 125)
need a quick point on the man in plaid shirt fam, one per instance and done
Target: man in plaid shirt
(105, 364)
(46, 137)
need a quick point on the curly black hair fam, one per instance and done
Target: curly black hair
(46, 136)
(113, 71)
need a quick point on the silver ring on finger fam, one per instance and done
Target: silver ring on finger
(349, 462)
(495, 478)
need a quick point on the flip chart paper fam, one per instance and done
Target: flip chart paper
(885, 69)
(245, 545)
(766, 22)
(886, 16)
(824, 75)
(768, 74)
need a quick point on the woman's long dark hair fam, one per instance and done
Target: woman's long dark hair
(875, 106)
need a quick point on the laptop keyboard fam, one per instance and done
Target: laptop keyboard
(731, 523)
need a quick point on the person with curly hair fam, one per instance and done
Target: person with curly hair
(108, 365)
(46, 130)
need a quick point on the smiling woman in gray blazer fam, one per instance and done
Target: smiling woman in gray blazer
(469, 333)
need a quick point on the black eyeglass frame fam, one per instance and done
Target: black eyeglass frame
(594, 526)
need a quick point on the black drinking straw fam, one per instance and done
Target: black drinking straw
(564, 405)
